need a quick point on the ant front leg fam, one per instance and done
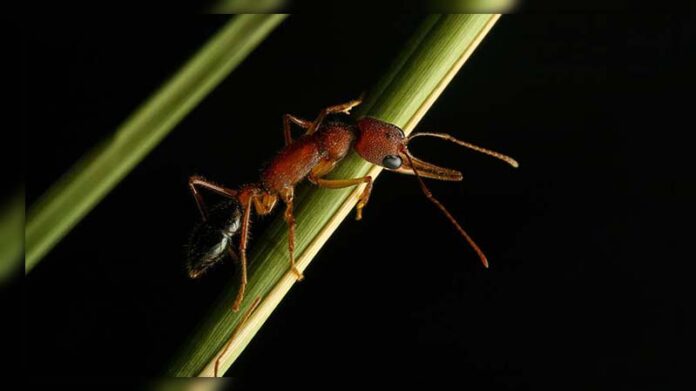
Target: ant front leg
(287, 119)
(342, 108)
(341, 183)
(206, 184)
(288, 196)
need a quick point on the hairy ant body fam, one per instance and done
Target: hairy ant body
(326, 142)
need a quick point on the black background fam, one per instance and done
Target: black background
(587, 282)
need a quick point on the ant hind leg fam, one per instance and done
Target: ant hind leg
(235, 332)
(195, 181)
(246, 205)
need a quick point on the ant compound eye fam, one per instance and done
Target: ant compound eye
(391, 161)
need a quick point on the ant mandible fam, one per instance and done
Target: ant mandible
(326, 142)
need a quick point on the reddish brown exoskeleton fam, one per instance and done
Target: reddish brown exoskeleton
(327, 140)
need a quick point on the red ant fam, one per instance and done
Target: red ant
(326, 142)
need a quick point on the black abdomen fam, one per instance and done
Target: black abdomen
(211, 240)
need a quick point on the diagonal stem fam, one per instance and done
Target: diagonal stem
(427, 64)
(93, 177)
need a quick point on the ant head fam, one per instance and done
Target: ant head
(380, 143)
(385, 144)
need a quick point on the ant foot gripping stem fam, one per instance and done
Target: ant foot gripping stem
(297, 273)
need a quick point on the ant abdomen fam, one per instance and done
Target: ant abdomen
(211, 240)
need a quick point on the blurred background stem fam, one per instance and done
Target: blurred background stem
(99, 171)
(11, 235)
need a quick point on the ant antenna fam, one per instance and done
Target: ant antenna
(445, 136)
(444, 210)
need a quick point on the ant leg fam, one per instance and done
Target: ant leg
(287, 197)
(342, 108)
(197, 180)
(246, 204)
(287, 118)
(341, 183)
(236, 330)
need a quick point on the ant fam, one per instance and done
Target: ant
(327, 141)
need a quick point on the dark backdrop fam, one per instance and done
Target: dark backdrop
(587, 281)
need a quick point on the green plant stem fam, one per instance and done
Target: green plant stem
(11, 239)
(420, 73)
(91, 179)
